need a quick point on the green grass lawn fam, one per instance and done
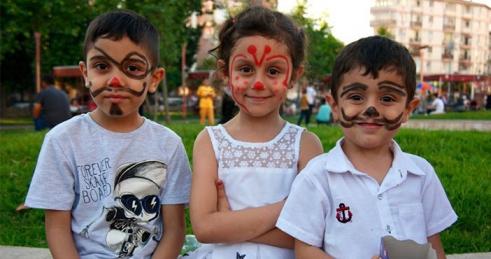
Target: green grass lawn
(461, 160)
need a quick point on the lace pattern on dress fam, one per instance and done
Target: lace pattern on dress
(279, 153)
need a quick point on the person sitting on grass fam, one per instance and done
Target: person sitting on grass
(366, 187)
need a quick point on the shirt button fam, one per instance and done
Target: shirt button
(380, 196)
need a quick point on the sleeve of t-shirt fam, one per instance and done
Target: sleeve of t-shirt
(178, 184)
(303, 215)
(52, 185)
(438, 211)
(39, 97)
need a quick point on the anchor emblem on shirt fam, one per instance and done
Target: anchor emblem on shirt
(343, 214)
(239, 256)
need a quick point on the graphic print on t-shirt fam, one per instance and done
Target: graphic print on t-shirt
(136, 195)
(94, 184)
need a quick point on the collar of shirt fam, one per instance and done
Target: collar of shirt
(337, 162)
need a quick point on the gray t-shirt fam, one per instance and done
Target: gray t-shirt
(113, 183)
(55, 106)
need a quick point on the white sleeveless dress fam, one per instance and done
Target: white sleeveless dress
(254, 175)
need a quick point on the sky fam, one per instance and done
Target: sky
(349, 19)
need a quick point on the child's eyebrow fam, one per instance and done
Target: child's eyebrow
(391, 86)
(353, 86)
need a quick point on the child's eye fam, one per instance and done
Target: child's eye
(100, 66)
(387, 99)
(355, 97)
(246, 69)
(273, 71)
(135, 68)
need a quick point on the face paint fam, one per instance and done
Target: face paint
(349, 121)
(285, 81)
(371, 112)
(252, 50)
(115, 82)
(115, 110)
(129, 64)
(258, 86)
(122, 89)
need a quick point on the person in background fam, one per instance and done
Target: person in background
(51, 106)
(437, 105)
(311, 96)
(206, 94)
(324, 114)
(304, 108)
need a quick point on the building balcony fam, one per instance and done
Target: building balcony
(416, 24)
(449, 27)
(383, 22)
(447, 56)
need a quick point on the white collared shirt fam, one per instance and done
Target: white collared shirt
(346, 212)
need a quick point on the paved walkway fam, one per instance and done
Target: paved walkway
(16, 252)
(478, 125)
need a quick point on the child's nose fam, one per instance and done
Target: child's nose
(259, 86)
(115, 82)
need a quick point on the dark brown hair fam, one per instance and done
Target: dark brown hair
(373, 54)
(264, 22)
(116, 24)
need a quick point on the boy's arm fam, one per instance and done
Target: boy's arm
(306, 251)
(174, 230)
(436, 243)
(211, 225)
(59, 234)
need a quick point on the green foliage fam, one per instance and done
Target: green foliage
(459, 158)
(322, 45)
(62, 24)
(385, 32)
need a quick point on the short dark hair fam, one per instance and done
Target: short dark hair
(116, 24)
(375, 53)
(261, 21)
(49, 79)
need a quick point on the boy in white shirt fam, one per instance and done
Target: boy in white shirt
(366, 187)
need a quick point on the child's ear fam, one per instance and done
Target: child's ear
(83, 69)
(334, 106)
(410, 108)
(221, 70)
(157, 76)
(297, 74)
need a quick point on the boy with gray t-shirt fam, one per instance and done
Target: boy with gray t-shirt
(113, 183)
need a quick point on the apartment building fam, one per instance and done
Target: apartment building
(445, 36)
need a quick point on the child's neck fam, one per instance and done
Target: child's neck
(127, 123)
(374, 162)
(255, 129)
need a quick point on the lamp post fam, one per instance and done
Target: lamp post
(421, 58)
(183, 91)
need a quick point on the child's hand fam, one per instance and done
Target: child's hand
(222, 201)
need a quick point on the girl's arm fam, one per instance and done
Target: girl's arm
(306, 251)
(211, 225)
(436, 243)
(274, 237)
(174, 230)
(59, 234)
(310, 147)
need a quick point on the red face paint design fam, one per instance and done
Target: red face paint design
(115, 82)
(258, 86)
(285, 81)
(239, 87)
(252, 50)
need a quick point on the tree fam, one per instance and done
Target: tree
(322, 46)
(385, 32)
(62, 24)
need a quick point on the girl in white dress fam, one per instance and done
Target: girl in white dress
(243, 170)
